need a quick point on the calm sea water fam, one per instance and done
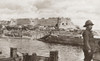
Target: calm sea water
(65, 52)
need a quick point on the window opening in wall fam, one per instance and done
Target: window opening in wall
(66, 23)
(62, 23)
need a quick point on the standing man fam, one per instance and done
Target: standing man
(88, 41)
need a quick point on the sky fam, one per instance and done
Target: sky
(78, 10)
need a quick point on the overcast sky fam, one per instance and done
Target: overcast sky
(78, 10)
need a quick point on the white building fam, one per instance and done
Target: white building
(13, 22)
(65, 23)
(34, 22)
(23, 21)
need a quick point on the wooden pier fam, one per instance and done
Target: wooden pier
(34, 57)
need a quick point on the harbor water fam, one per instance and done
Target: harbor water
(65, 52)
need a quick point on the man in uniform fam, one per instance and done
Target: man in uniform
(88, 41)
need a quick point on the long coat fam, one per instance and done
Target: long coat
(88, 40)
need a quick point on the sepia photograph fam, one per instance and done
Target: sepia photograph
(49, 30)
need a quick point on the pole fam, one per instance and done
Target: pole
(53, 55)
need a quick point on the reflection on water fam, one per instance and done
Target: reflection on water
(66, 53)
